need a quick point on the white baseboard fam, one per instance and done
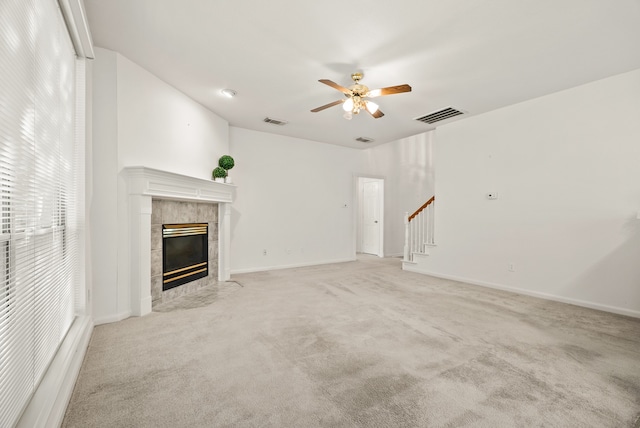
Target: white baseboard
(394, 255)
(546, 296)
(112, 318)
(278, 267)
(49, 403)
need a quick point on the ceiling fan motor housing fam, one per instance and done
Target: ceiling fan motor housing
(359, 90)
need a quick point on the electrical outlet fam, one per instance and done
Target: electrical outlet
(492, 195)
(264, 252)
(511, 267)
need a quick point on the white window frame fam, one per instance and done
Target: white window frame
(48, 402)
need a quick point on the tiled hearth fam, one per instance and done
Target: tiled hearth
(154, 197)
(165, 212)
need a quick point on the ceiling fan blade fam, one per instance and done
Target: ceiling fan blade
(376, 114)
(335, 86)
(389, 91)
(335, 103)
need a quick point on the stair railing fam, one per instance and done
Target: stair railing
(418, 230)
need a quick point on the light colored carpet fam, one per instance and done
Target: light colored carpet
(360, 344)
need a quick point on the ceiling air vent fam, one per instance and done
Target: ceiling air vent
(440, 115)
(364, 140)
(275, 121)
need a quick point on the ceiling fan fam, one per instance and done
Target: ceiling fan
(356, 95)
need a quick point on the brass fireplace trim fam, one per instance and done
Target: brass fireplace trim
(185, 268)
(166, 281)
(186, 229)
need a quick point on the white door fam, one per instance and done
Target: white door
(371, 218)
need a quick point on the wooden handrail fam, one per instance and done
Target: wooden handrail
(419, 210)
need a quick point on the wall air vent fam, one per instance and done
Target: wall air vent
(440, 115)
(275, 121)
(364, 140)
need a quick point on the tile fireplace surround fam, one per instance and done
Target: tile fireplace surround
(164, 211)
(146, 184)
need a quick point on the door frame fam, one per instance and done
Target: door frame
(359, 211)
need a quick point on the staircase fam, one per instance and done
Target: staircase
(418, 232)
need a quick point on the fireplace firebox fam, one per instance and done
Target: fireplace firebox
(185, 253)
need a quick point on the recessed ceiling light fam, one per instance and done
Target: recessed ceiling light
(229, 93)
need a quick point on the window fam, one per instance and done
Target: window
(39, 182)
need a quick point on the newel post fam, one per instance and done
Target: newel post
(406, 237)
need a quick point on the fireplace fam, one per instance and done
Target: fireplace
(140, 262)
(185, 253)
(184, 248)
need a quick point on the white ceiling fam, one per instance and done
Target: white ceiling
(475, 55)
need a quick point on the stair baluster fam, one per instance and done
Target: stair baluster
(419, 230)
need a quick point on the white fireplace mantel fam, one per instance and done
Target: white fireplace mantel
(143, 184)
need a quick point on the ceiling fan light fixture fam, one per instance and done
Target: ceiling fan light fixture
(356, 97)
(348, 105)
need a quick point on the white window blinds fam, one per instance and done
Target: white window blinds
(38, 237)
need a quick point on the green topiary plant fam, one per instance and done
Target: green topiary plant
(219, 172)
(226, 162)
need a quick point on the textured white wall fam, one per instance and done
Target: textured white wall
(567, 171)
(104, 185)
(407, 167)
(160, 127)
(291, 194)
(138, 120)
(290, 201)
